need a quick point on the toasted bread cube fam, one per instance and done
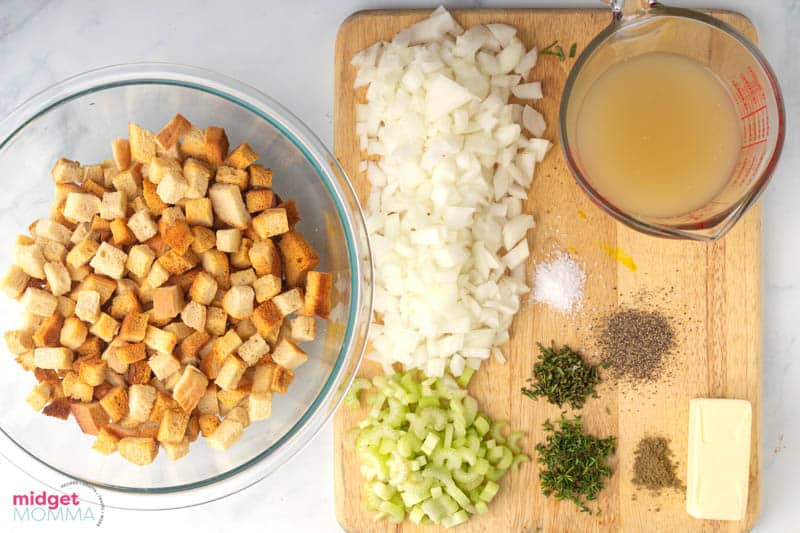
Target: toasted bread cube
(209, 422)
(160, 340)
(52, 230)
(260, 176)
(114, 205)
(58, 408)
(199, 212)
(318, 294)
(109, 355)
(109, 261)
(172, 188)
(30, 258)
(73, 333)
(194, 316)
(49, 331)
(244, 277)
(289, 302)
(204, 239)
(281, 379)
(95, 173)
(239, 414)
(266, 317)
(190, 346)
(242, 157)
(229, 240)
(52, 250)
(80, 232)
(227, 344)
(66, 307)
(138, 450)
(265, 258)
(231, 372)
(67, 171)
(105, 327)
(258, 200)
(253, 349)
(262, 377)
(121, 234)
(75, 389)
(93, 188)
(151, 199)
(40, 395)
(176, 450)
(124, 304)
(178, 236)
(82, 252)
(216, 145)
(106, 442)
(115, 403)
(173, 426)
(108, 176)
(229, 399)
(142, 225)
(103, 285)
(171, 133)
(92, 371)
(288, 355)
(193, 143)
(80, 273)
(197, 175)
(298, 258)
(203, 289)
(130, 353)
(157, 276)
(179, 329)
(164, 365)
(302, 328)
(167, 302)
(267, 287)
(140, 402)
(226, 200)
(271, 222)
(177, 263)
(233, 176)
(164, 402)
(129, 182)
(216, 320)
(90, 417)
(217, 264)
(160, 167)
(259, 406)
(19, 341)
(39, 302)
(139, 373)
(140, 260)
(190, 388)
(238, 301)
(15, 281)
(91, 347)
(142, 143)
(81, 207)
(241, 258)
(121, 151)
(134, 327)
(228, 432)
(208, 403)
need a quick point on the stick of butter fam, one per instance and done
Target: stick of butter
(718, 470)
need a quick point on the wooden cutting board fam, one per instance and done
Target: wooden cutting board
(712, 290)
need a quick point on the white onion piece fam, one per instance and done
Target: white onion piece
(533, 121)
(503, 33)
(527, 62)
(528, 91)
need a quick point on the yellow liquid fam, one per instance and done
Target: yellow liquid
(658, 135)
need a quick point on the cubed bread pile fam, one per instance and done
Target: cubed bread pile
(167, 294)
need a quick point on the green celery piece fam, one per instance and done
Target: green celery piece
(351, 398)
(489, 491)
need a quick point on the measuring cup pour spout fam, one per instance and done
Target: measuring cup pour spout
(623, 9)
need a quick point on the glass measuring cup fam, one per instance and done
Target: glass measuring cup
(639, 27)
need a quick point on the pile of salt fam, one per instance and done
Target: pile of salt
(559, 283)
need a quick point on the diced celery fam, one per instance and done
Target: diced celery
(436, 491)
(416, 514)
(512, 440)
(497, 431)
(495, 454)
(481, 425)
(481, 507)
(519, 459)
(407, 445)
(351, 398)
(465, 377)
(506, 460)
(387, 446)
(495, 474)
(489, 491)
(459, 517)
(429, 444)
(448, 435)
(382, 490)
(395, 511)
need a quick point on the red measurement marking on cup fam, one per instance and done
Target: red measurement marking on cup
(751, 103)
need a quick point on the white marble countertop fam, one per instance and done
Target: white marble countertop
(286, 49)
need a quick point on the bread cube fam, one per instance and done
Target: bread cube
(140, 402)
(230, 399)
(129, 182)
(67, 171)
(253, 349)
(216, 145)
(160, 167)
(30, 258)
(259, 406)
(197, 175)
(130, 353)
(241, 258)
(142, 225)
(191, 346)
(281, 379)
(81, 207)
(19, 341)
(92, 371)
(75, 389)
(194, 316)
(58, 408)
(138, 450)
(203, 289)
(52, 250)
(216, 320)
(109, 261)
(226, 200)
(271, 222)
(121, 234)
(82, 252)
(288, 354)
(238, 301)
(171, 133)
(178, 263)
(302, 328)
(209, 422)
(238, 413)
(52, 230)
(172, 188)
(65, 307)
(140, 260)
(157, 276)
(90, 417)
(262, 377)
(233, 176)
(199, 212)
(228, 432)
(258, 200)
(58, 278)
(103, 285)
(40, 395)
(230, 373)
(73, 333)
(318, 294)
(106, 442)
(229, 240)
(115, 403)
(190, 388)
(134, 327)
(15, 281)
(114, 205)
(48, 332)
(164, 365)
(39, 302)
(105, 327)
(160, 340)
(204, 239)
(298, 258)
(242, 157)
(227, 344)
(173, 426)
(142, 143)
(260, 177)
(265, 258)
(266, 317)
(244, 277)
(289, 302)
(121, 151)
(217, 264)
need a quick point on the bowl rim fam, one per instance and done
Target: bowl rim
(332, 175)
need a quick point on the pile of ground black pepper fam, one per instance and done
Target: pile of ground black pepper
(634, 343)
(653, 467)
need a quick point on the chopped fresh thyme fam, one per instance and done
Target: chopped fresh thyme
(573, 463)
(555, 49)
(563, 377)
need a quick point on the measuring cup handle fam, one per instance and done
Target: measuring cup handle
(622, 9)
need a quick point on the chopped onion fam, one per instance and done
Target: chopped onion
(528, 91)
(533, 121)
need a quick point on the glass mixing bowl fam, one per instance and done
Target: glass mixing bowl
(77, 119)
